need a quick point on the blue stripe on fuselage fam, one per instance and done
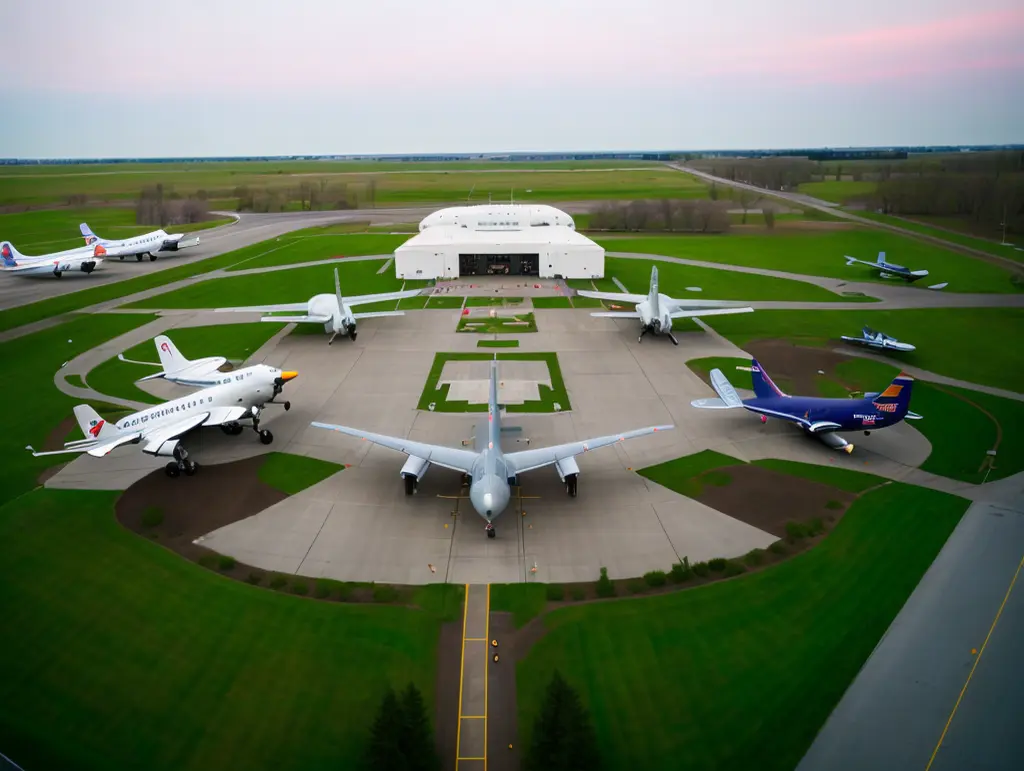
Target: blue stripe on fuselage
(850, 414)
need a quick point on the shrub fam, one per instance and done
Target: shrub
(343, 588)
(635, 586)
(554, 592)
(605, 587)
(754, 557)
(734, 568)
(254, 578)
(700, 568)
(795, 531)
(278, 581)
(384, 593)
(577, 594)
(225, 562)
(300, 587)
(152, 516)
(209, 560)
(834, 505)
(681, 571)
(779, 547)
(322, 588)
(717, 564)
(655, 578)
(815, 526)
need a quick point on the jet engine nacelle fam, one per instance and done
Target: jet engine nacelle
(566, 467)
(414, 467)
(167, 449)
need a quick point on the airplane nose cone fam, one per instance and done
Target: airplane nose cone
(286, 376)
(488, 500)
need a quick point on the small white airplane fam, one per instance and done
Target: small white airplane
(240, 396)
(656, 310)
(56, 264)
(331, 310)
(872, 339)
(892, 270)
(175, 368)
(140, 246)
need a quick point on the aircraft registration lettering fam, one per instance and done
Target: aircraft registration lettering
(884, 407)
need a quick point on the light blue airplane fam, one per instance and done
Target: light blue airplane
(490, 472)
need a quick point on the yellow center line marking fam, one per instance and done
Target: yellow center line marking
(462, 673)
(472, 717)
(474, 639)
(487, 669)
(971, 673)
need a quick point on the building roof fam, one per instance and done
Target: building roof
(447, 235)
(499, 217)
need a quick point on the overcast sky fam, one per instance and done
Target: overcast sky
(264, 77)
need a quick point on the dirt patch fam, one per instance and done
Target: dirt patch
(446, 698)
(797, 364)
(767, 499)
(55, 439)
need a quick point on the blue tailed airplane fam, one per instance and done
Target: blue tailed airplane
(817, 416)
(892, 270)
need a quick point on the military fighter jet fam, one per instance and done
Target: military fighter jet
(816, 416)
(872, 339)
(490, 471)
(892, 270)
(331, 310)
(656, 311)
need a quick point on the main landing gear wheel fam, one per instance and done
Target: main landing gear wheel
(571, 485)
(266, 437)
(138, 258)
(491, 532)
(152, 258)
(410, 484)
(172, 470)
(121, 258)
(191, 467)
(232, 429)
(287, 406)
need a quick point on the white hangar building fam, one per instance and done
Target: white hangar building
(499, 239)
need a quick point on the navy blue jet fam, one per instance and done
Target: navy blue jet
(816, 416)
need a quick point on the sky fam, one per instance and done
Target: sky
(124, 78)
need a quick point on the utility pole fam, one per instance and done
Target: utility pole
(1004, 227)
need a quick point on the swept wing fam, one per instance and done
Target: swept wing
(363, 299)
(449, 457)
(528, 460)
(623, 297)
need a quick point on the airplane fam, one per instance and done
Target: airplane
(175, 368)
(240, 396)
(140, 246)
(892, 270)
(816, 416)
(656, 310)
(489, 471)
(334, 312)
(56, 264)
(872, 339)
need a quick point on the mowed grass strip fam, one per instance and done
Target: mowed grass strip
(819, 253)
(436, 394)
(762, 659)
(293, 473)
(109, 659)
(947, 234)
(236, 342)
(310, 246)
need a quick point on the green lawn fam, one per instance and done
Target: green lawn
(294, 473)
(585, 302)
(40, 406)
(678, 474)
(236, 342)
(486, 302)
(523, 601)
(52, 230)
(844, 479)
(438, 394)
(965, 343)
(837, 192)
(741, 674)
(551, 302)
(130, 656)
(813, 253)
(283, 286)
(992, 247)
(674, 278)
(311, 245)
(445, 301)
(500, 325)
(497, 343)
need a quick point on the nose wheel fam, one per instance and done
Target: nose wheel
(491, 532)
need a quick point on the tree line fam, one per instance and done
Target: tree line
(155, 206)
(306, 196)
(668, 215)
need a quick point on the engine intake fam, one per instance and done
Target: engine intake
(412, 472)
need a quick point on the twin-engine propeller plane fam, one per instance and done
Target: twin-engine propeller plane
(656, 310)
(490, 471)
(239, 397)
(331, 310)
(869, 338)
(146, 245)
(56, 264)
(892, 270)
(816, 416)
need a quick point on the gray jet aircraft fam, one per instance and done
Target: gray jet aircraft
(490, 471)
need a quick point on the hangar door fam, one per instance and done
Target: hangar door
(499, 264)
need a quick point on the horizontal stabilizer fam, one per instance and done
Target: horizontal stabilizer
(283, 308)
(725, 390)
(919, 273)
(913, 416)
(621, 297)
(297, 319)
(712, 404)
(943, 285)
(377, 314)
(709, 312)
(616, 314)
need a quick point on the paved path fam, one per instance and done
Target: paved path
(471, 741)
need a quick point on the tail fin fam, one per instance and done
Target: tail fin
(881, 258)
(763, 385)
(493, 412)
(895, 398)
(88, 235)
(337, 290)
(170, 356)
(9, 254)
(92, 425)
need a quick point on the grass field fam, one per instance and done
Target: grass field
(310, 245)
(552, 302)
(293, 473)
(510, 324)
(438, 394)
(965, 343)
(41, 407)
(487, 302)
(741, 674)
(236, 342)
(52, 230)
(948, 233)
(497, 343)
(395, 183)
(820, 253)
(109, 658)
(837, 191)
(716, 284)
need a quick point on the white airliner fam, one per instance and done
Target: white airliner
(140, 246)
(81, 259)
(331, 310)
(656, 310)
(240, 396)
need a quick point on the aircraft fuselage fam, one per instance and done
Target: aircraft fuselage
(850, 414)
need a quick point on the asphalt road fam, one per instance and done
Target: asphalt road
(249, 229)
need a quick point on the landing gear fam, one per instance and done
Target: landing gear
(152, 258)
(138, 258)
(191, 467)
(572, 485)
(352, 333)
(181, 464)
(672, 338)
(265, 436)
(121, 258)
(491, 532)
(867, 433)
(232, 429)
(172, 470)
(643, 331)
(410, 484)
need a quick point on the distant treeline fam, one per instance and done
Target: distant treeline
(155, 206)
(677, 216)
(309, 196)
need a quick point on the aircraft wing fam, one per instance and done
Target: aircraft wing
(363, 299)
(96, 448)
(165, 433)
(449, 457)
(296, 319)
(851, 260)
(218, 416)
(624, 297)
(178, 241)
(528, 460)
(616, 314)
(708, 312)
(377, 314)
(283, 308)
(858, 340)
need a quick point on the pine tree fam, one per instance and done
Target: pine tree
(563, 737)
(415, 739)
(384, 753)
